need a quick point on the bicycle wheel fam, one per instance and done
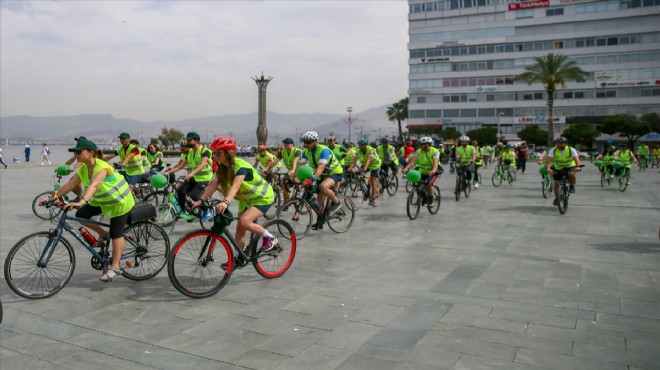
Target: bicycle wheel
(392, 184)
(27, 278)
(276, 261)
(623, 181)
(467, 188)
(381, 193)
(562, 203)
(299, 215)
(496, 179)
(208, 224)
(603, 178)
(342, 220)
(457, 188)
(166, 217)
(273, 210)
(200, 264)
(146, 246)
(43, 212)
(435, 207)
(510, 177)
(156, 198)
(409, 186)
(545, 187)
(414, 203)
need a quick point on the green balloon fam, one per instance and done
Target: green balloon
(598, 163)
(617, 165)
(413, 176)
(303, 173)
(158, 181)
(543, 170)
(63, 170)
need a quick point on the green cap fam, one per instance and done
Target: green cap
(192, 136)
(288, 140)
(83, 144)
(124, 135)
(79, 137)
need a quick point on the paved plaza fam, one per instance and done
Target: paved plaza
(497, 281)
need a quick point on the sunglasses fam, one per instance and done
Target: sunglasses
(308, 141)
(217, 153)
(76, 152)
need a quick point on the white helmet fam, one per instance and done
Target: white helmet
(425, 140)
(310, 135)
(464, 138)
(499, 144)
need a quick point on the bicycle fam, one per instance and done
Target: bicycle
(643, 163)
(37, 268)
(418, 197)
(624, 175)
(564, 193)
(502, 174)
(606, 175)
(462, 182)
(202, 261)
(140, 190)
(52, 212)
(350, 182)
(298, 212)
(281, 184)
(388, 181)
(547, 183)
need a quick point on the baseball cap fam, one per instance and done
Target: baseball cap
(124, 135)
(288, 140)
(79, 137)
(192, 136)
(83, 144)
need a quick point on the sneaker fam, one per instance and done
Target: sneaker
(611, 176)
(555, 202)
(268, 244)
(372, 202)
(334, 208)
(476, 185)
(628, 183)
(317, 226)
(431, 202)
(571, 189)
(188, 217)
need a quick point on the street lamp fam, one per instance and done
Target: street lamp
(499, 117)
(349, 110)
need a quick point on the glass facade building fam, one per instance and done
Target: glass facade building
(464, 55)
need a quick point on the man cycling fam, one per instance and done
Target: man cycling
(426, 159)
(387, 155)
(130, 159)
(625, 155)
(465, 156)
(327, 170)
(198, 161)
(562, 159)
(338, 150)
(290, 155)
(508, 158)
(370, 161)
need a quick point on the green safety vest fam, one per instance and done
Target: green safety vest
(333, 167)
(643, 150)
(465, 153)
(255, 192)
(338, 152)
(390, 149)
(152, 157)
(113, 195)
(194, 158)
(348, 158)
(479, 158)
(146, 163)
(624, 157)
(134, 166)
(288, 157)
(424, 162)
(375, 160)
(563, 159)
(608, 159)
(510, 156)
(264, 159)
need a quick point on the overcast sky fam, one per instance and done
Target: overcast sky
(172, 60)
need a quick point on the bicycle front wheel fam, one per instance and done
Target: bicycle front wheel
(562, 203)
(45, 213)
(409, 186)
(299, 215)
(435, 207)
(414, 203)
(276, 261)
(392, 185)
(623, 181)
(545, 187)
(146, 246)
(200, 264)
(467, 188)
(497, 179)
(457, 189)
(342, 220)
(277, 203)
(24, 274)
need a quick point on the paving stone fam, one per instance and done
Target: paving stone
(549, 360)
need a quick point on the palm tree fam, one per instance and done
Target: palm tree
(398, 112)
(552, 70)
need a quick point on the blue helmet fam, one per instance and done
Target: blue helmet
(362, 142)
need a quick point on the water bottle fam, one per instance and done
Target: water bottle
(88, 236)
(208, 214)
(175, 202)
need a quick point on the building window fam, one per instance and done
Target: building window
(421, 99)
(579, 95)
(568, 95)
(554, 11)
(558, 45)
(522, 14)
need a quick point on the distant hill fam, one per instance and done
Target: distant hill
(104, 128)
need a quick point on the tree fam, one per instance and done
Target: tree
(170, 136)
(552, 70)
(484, 135)
(429, 129)
(532, 134)
(398, 112)
(450, 133)
(627, 126)
(583, 133)
(653, 119)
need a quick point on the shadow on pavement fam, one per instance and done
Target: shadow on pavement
(629, 247)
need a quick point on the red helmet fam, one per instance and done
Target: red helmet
(223, 142)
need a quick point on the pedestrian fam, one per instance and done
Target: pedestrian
(523, 153)
(27, 152)
(45, 152)
(1, 161)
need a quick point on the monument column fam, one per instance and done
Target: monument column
(262, 131)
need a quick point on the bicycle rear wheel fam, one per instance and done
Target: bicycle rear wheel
(414, 203)
(276, 261)
(496, 179)
(298, 215)
(200, 264)
(146, 246)
(45, 213)
(156, 198)
(277, 203)
(342, 220)
(562, 203)
(392, 184)
(29, 280)
(457, 188)
(435, 207)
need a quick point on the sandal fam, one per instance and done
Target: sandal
(110, 274)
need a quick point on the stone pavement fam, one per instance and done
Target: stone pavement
(499, 280)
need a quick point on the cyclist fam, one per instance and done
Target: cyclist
(290, 155)
(642, 150)
(521, 156)
(155, 158)
(145, 161)
(338, 150)
(105, 192)
(370, 161)
(237, 179)
(408, 149)
(350, 155)
(625, 155)
(656, 155)
(508, 158)
(452, 158)
(562, 159)
(465, 156)
(198, 161)
(130, 159)
(387, 155)
(327, 170)
(265, 158)
(478, 161)
(608, 159)
(426, 159)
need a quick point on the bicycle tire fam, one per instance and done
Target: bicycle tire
(31, 281)
(545, 187)
(562, 200)
(381, 194)
(496, 179)
(193, 271)
(273, 210)
(510, 177)
(166, 217)
(409, 186)
(149, 246)
(208, 224)
(43, 212)
(433, 209)
(414, 203)
(392, 185)
(276, 262)
(157, 198)
(467, 188)
(303, 223)
(457, 188)
(602, 178)
(623, 182)
(342, 220)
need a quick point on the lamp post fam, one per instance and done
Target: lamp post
(349, 110)
(499, 117)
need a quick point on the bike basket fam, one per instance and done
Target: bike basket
(617, 165)
(598, 163)
(543, 171)
(142, 212)
(221, 221)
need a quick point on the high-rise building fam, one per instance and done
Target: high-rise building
(464, 55)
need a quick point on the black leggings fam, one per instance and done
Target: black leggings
(191, 187)
(117, 224)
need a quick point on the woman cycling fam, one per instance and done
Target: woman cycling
(237, 179)
(106, 192)
(155, 157)
(608, 159)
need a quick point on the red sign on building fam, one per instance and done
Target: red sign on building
(529, 5)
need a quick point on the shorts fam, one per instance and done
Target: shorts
(337, 178)
(242, 207)
(374, 172)
(117, 223)
(133, 179)
(558, 174)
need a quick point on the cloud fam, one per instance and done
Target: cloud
(186, 59)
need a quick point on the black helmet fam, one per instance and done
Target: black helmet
(384, 140)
